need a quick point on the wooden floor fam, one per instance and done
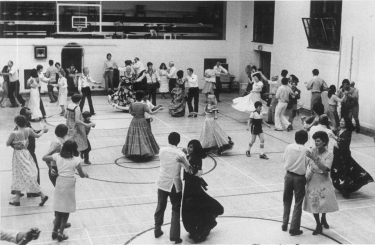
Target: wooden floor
(116, 205)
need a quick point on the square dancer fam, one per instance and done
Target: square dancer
(170, 185)
(282, 95)
(192, 81)
(294, 182)
(255, 124)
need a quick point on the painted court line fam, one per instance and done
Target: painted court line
(88, 235)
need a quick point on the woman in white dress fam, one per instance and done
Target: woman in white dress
(24, 170)
(34, 102)
(163, 80)
(246, 104)
(62, 84)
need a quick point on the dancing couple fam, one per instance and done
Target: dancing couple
(199, 210)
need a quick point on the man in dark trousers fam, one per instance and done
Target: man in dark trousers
(14, 85)
(192, 81)
(42, 78)
(170, 185)
(84, 89)
(294, 182)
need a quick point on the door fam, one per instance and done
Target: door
(265, 63)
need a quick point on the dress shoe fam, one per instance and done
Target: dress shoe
(44, 200)
(92, 114)
(271, 123)
(263, 156)
(15, 203)
(23, 104)
(289, 128)
(87, 162)
(190, 115)
(158, 234)
(13, 106)
(32, 194)
(61, 237)
(218, 100)
(324, 223)
(195, 115)
(54, 235)
(318, 230)
(295, 233)
(284, 227)
(276, 129)
(176, 241)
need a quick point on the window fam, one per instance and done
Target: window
(264, 15)
(200, 20)
(323, 28)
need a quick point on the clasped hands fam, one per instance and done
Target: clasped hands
(311, 156)
(183, 160)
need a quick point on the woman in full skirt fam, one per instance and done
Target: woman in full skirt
(347, 175)
(212, 136)
(199, 210)
(178, 103)
(125, 94)
(246, 104)
(140, 141)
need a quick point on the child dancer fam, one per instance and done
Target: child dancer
(255, 124)
(85, 154)
(212, 135)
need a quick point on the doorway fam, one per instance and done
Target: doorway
(265, 63)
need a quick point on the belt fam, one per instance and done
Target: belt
(315, 92)
(296, 174)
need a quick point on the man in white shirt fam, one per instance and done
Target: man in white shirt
(274, 85)
(14, 85)
(295, 164)
(52, 73)
(84, 89)
(172, 76)
(169, 184)
(152, 82)
(109, 65)
(218, 71)
(282, 95)
(192, 83)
